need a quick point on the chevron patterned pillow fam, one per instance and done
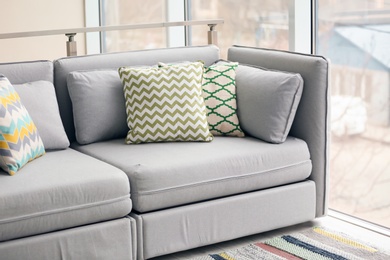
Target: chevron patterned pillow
(165, 104)
(19, 138)
(219, 93)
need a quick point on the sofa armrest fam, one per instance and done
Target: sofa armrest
(311, 122)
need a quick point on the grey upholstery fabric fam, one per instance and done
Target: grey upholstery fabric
(34, 71)
(40, 100)
(106, 240)
(61, 189)
(311, 121)
(267, 102)
(98, 102)
(214, 221)
(63, 66)
(22, 72)
(170, 174)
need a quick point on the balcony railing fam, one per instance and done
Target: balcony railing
(71, 46)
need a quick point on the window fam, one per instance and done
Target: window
(252, 23)
(355, 36)
(277, 24)
(122, 12)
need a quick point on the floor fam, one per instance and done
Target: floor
(380, 240)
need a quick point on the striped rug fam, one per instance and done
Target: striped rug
(315, 243)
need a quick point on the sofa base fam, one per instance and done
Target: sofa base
(113, 239)
(182, 228)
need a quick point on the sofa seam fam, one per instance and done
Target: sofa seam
(56, 211)
(220, 179)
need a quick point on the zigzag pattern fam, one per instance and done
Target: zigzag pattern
(165, 104)
(19, 138)
(219, 93)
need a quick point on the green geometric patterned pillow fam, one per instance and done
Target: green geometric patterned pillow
(219, 93)
(165, 104)
(19, 138)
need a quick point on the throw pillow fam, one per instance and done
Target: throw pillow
(98, 103)
(19, 138)
(219, 93)
(165, 104)
(267, 101)
(40, 100)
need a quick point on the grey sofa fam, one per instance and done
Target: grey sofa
(107, 200)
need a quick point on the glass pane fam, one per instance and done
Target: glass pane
(355, 36)
(250, 23)
(122, 12)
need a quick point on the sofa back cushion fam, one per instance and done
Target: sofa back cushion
(267, 101)
(40, 100)
(64, 66)
(99, 110)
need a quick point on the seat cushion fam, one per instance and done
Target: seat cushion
(60, 190)
(165, 175)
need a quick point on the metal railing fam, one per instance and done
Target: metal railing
(71, 46)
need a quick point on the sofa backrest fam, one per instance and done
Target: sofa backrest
(63, 66)
(311, 121)
(23, 72)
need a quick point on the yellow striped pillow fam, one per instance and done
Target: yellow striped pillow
(19, 138)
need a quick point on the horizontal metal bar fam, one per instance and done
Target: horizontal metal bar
(107, 28)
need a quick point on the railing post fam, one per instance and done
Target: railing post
(71, 45)
(212, 35)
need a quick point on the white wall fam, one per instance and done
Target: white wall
(27, 15)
